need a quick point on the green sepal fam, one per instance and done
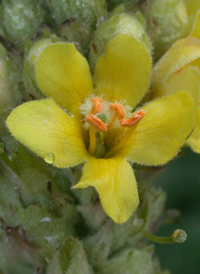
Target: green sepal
(89, 12)
(10, 87)
(69, 258)
(129, 4)
(78, 33)
(98, 245)
(135, 261)
(167, 22)
(21, 20)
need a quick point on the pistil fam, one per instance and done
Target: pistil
(132, 123)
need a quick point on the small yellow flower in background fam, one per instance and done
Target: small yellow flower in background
(98, 128)
(179, 69)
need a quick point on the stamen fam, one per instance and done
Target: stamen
(119, 111)
(92, 141)
(133, 120)
(97, 104)
(133, 125)
(96, 123)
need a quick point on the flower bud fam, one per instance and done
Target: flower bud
(78, 33)
(166, 24)
(21, 19)
(118, 24)
(179, 236)
(89, 12)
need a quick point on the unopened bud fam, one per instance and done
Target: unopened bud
(89, 12)
(117, 24)
(78, 33)
(179, 236)
(21, 20)
(167, 24)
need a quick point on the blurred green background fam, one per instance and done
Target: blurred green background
(181, 181)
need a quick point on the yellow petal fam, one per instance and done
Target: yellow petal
(192, 6)
(183, 53)
(63, 74)
(194, 144)
(49, 131)
(123, 72)
(164, 129)
(196, 27)
(196, 132)
(188, 80)
(115, 182)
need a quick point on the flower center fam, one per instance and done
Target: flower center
(101, 118)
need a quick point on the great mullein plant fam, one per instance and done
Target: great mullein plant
(81, 104)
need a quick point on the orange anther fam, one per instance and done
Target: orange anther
(97, 104)
(137, 116)
(96, 123)
(119, 111)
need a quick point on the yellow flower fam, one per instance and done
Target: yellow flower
(100, 130)
(179, 69)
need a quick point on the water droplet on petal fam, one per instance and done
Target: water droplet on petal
(49, 158)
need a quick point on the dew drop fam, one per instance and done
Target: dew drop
(49, 158)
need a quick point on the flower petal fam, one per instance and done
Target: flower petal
(183, 53)
(196, 131)
(123, 72)
(63, 74)
(188, 80)
(115, 182)
(194, 144)
(192, 6)
(196, 27)
(49, 131)
(160, 134)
